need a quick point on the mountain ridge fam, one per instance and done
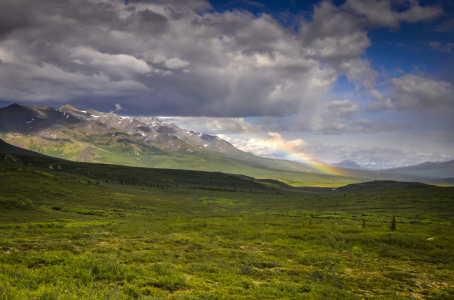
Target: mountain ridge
(93, 136)
(432, 169)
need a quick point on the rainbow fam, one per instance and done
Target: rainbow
(288, 152)
(310, 166)
(324, 169)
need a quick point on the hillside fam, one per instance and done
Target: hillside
(6, 148)
(108, 138)
(139, 177)
(95, 231)
(383, 185)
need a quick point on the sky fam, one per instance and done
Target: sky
(365, 80)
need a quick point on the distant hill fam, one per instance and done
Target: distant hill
(348, 164)
(382, 185)
(443, 180)
(428, 169)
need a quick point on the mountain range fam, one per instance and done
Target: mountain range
(429, 169)
(93, 136)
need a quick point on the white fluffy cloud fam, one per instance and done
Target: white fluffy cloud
(412, 92)
(273, 146)
(214, 125)
(176, 63)
(119, 64)
(344, 108)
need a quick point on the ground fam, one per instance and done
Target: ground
(72, 235)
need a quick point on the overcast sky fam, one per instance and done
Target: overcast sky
(371, 81)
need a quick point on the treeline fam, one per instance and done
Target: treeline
(168, 184)
(161, 185)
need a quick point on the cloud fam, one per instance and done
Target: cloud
(412, 92)
(380, 13)
(374, 157)
(214, 125)
(253, 3)
(338, 35)
(118, 107)
(445, 26)
(110, 63)
(180, 58)
(448, 47)
(275, 146)
(330, 121)
(176, 63)
(344, 108)
(153, 22)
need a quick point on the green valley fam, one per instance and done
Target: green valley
(71, 230)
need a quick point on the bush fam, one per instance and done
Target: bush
(15, 204)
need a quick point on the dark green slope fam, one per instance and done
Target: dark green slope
(10, 149)
(134, 176)
(383, 185)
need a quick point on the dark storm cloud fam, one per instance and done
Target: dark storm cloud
(13, 17)
(168, 58)
(154, 22)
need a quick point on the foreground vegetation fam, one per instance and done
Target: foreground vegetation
(80, 231)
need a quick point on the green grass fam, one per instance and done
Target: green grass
(108, 232)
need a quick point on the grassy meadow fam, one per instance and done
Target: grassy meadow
(84, 231)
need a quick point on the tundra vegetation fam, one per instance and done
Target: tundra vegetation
(87, 231)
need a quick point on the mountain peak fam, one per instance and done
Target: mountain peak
(347, 161)
(349, 164)
(68, 107)
(14, 106)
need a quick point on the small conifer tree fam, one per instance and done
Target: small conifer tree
(364, 223)
(394, 224)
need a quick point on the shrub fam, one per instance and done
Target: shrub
(394, 224)
(15, 204)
